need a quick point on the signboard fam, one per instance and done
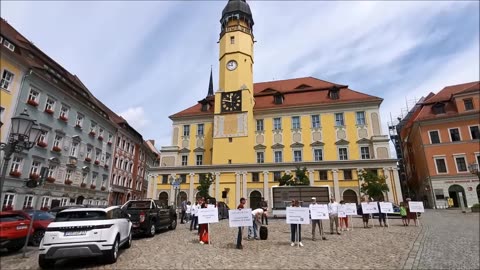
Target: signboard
(319, 211)
(342, 210)
(386, 207)
(370, 207)
(416, 207)
(210, 205)
(207, 215)
(240, 218)
(351, 209)
(298, 215)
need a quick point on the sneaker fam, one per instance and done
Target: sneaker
(201, 242)
(348, 229)
(324, 238)
(256, 238)
(338, 233)
(292, 244)
(300, 243)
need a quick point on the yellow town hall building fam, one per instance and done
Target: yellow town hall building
(249, 134)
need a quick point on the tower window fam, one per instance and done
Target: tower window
(232, 40)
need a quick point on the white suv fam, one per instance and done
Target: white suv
(85, 232)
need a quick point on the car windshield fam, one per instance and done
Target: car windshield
(80, 216)
(40, 215)
(11, 217)
(139, 205)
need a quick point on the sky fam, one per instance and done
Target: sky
(147, 60)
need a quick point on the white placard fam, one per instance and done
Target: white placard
(416, 207)
(351, 209)
(386, 208)
(207, 215)
(369, 208)
(319, 211)
(298, 215)
(342, 210)
(210, 205)
(240, 218)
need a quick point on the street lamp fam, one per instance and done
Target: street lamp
(473, 168)
(175, 182)
(24, 134)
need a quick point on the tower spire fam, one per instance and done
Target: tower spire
(210, 84)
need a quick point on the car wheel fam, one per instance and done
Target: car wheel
(37, 237)
(151, 232)
(112, 254)
(129, 241)
(173, 225)
(45, 263)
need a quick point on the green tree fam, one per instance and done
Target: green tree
(373, 185)
(205, 183)
(300, 179)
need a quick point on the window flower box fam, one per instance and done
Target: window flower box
(63, 118)
(32, 102)
(105, 166)
(100, 138)
(68, 182)
(109, 143)
(15, 173)
(34, 176)
(50, 179)
(56, 149)
(87, 159)
(92, 133)
(92, 186)
(97, 162)
(49, 111)
(83, 185)
(103, 188)
(42, 144)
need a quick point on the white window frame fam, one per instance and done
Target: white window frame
(464, 104)
(35, 167)
(100, 131)
(186, 130)
(275, 157)
(7, 79)
(337, 124)
(294, 157)
(94, 179)
(64, 111)
(85, 177)
(79, 120)
(69, 174)
(259, 125)
(459, 134)
(17, 164)
(45, 202)
(430, 136)
(64, 201)
(50, 104)
(198, 161)
(93, 127)
(295, 124)
(28, 201)
(110, 137)
(58, 141)
(98, 154)
(52, 170)
(89, 152)
(315, 124)
(184, 160)
(357, 118)
(338, 152)
(74, 149)
(43, 137)
(9, 197)
(444, 161)
(455, 156)
(315, 156)
(470, 131)
(200, 129)
(277, 126)
(8, 45)
(34, 95)
(361, 153)
(260, 157)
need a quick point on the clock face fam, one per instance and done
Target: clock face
(232, 101)
(231, 65)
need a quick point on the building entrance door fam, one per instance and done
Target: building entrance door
(453, 192)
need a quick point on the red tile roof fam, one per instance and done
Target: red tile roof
(297, 92)
(446, 93)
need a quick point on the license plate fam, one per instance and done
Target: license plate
(22, 227)
(75, 233)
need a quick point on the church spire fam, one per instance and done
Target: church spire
(210, 85)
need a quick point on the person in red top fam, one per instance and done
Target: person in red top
(239, 237)
(203, 228)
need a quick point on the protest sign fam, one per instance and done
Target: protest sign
(369, 208)
(240, 218)
(351, 209)
(386, 207)
(207, 215)
(319, 211)
(298, 215)
(416, 207)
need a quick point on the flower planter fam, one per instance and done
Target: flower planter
(34, 176)
(68, 182)
(83, 185)
(91, 133)
(103, 188)
(56, 149)
(87, 159)
(15, 173)
(109, 143)
(63, 118)
(49, 111)
(106, 166)
(50, 179)
(42, 144)
(32, 103)
(97, 162)
(100, 138)
(92, 186)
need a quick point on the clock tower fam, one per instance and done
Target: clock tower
(233, 121)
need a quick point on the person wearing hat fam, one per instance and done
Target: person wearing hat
(316, 222)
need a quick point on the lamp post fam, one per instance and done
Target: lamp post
(24, 134)
(175, 182)
(473, 168)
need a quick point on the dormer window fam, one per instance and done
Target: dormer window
(278, 99)
(334, 93)
(438, 108)
(9, 45)
(204, 107)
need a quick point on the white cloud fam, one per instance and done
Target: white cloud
(136, 117)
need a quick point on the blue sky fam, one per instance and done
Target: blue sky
(149, 59)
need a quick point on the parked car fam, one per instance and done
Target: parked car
(85, 232)
(13, 230)
(148, 217)
(40, 224)
(222, 210)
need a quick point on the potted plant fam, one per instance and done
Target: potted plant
(56, 149)
(50, 179)
(63, 118)
(83, 185)
(87, 159)
(34, 176)
(109, 143)
(68, 182)
(97, 162)
(42, 144)
(92, 186)
(92, 133)
(100, 138)
(32, 103)
(103, 188)
(476, 207)
(49, 111)
(105, 166)
(15, 173)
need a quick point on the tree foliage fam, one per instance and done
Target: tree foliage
(300, 178)
(373, 185)
(205, 183)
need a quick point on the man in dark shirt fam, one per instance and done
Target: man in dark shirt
(263, 204)
(239, 237)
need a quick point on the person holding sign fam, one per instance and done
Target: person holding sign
(342, 215)
(333, 214)
(239, 236)
(203, 228)
(316, 222)
(296, 229)
(382, 216)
